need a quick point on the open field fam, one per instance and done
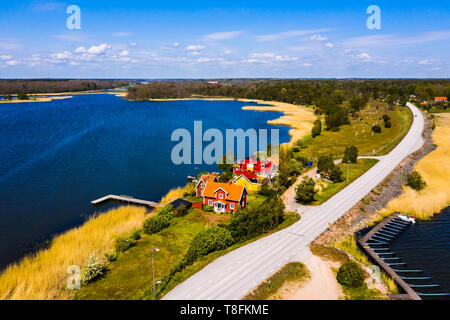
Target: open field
(359, 134)
(299, 118)
(43, 275)
(435, 169)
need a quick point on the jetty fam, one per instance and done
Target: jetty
(128, 199)
(376, 244)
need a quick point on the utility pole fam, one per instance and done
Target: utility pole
(153, 270)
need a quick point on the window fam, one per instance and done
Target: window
(210, 202)
(202, 185)
(220, 196)
(231, 205)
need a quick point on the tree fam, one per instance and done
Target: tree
(415, 181)
(22, 96)
(376, 129)
(305, 191)
(336, 175)
(357, 103)
(350, 154)
(284, 170)
(317, 128)
(325, 164)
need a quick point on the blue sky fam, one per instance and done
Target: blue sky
(211, 39)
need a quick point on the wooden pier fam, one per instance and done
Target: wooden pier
(375, 256)
(128, 199)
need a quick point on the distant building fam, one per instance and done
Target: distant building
(262, 169)
(440, 99)
(249, 181)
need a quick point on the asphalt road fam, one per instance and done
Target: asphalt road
(233, 275)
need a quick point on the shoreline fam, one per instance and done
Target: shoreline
(32, 99)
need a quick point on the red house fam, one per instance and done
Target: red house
(202, 182)
(260, 169)
(224, 197)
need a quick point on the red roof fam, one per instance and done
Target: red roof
(249, 175)
(258, 166)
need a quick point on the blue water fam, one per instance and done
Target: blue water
(56, 157)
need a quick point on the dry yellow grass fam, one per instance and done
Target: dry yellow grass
(176, 193)
(435, 170)
(33, 99)
(299, 118)
(43, 275)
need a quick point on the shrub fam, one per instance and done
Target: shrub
(325, 164)
(122, 244)
(305, 191)
(166, 210)
(386, 118)
(156, 224)
(350, 154)
(266, 191)
(350, 275)
(136, 235)
(336, 174)
(210, 240)
(317, 128)
(255, 220)
(415, 181)
(22, 96)
(111, 257)
(93, 269)
(207, 208)
(376, 129)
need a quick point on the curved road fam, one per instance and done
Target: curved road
(233, 275)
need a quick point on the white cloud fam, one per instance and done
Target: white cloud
(329, 45)
(195, 47)
(80, 50)
(62, 55)
(306, 64)
(318, 37)
(5, 57)
(175, 44)
(222, 35)
(364, 56)
(132, 44)
(262, 55)
(203, 60)
(287, 34)
(425, 61)
(124, 53)
(12, 62)
(122, 34)
(101, 49)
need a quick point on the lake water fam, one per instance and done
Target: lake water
(56, 157)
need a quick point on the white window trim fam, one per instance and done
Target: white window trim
(231, 205)
(220, 196)
(210, 202)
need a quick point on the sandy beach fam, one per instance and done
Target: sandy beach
(33, 99)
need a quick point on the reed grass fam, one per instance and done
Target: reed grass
(43, 276)
(349, 245)
(435, 170)
(179, 192)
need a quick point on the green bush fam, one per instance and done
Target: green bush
(305, 191)
(166, 210)
(136, 235)
(336, 174)
(207, 208)
(256, 220)
(156, 224)
(325, 164)
(317, 128)
(415, 181)
(376, 129)
(213, 239)
(122, 244)
(350, 154)
(111, 257)
(387, 124)
(92, 270)
(350, 275)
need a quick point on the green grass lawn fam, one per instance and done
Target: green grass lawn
(130, 277)
(355, 171)
(359, 133)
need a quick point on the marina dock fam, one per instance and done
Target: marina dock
(127, 199)
(376, 245)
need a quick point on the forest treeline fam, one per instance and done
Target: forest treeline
(55, 86)
(306, 92)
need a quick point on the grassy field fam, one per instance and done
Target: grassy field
(130, 277)
(43, 275)
(290, 272)
(355, 171)
(435, 169)
(359, 133)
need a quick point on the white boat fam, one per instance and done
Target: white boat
(407, 218)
